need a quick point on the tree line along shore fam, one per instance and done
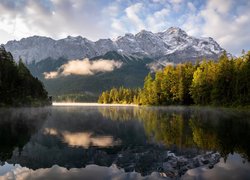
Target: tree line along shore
(224, 82)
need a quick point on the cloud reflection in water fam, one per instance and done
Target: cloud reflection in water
(92, 172)
(82, 139)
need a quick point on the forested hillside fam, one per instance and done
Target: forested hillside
(17, 86)
(223, 82)
(131, 74)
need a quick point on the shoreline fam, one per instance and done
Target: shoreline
(90, 104)
(93, 104)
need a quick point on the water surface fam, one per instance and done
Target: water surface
(102, 142)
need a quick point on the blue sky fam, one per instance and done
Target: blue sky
(227, 21)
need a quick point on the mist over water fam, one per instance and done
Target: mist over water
(51, 141)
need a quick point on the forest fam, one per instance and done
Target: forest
(76, 97)
(17, 86)
(224, 82)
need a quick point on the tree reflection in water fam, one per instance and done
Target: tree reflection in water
(17, 126)
(134, 138)
(219, 130)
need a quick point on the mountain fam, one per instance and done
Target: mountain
(174, 45)
(139, 54)
(131, 74)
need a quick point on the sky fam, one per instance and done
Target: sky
(227, 21)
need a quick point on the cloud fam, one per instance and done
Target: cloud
(13, 5)
(51, 75)
(93, 172)
(227, 22)
(87, 139)
(193, 24)
(159, 65)
(118, 26)
(84, 67)
(53, 18)
(82, 139)
(234, 166)
(176, 1)
(158, 19)
(5, 36)
(132, 14)
(191, 6)
(220, 6)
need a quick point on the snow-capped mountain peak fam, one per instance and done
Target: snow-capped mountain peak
(173, 44)
(175, 31)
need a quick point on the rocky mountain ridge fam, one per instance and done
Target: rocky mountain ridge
(173, 45)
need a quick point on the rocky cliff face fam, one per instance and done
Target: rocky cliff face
(174, 44)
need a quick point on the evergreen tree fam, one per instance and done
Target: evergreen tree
(17, 85)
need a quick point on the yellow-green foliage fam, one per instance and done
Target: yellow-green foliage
(222, 82)
(120, 96)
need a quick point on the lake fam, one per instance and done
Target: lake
(124, 142)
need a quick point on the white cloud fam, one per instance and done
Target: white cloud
(176, 1)
(92, 172)
(5, 36)
(158, 20)
(159, 1)
(230, 30)
(85, 140)
(51, 75)
(176, 5)
(192, 25)
(132, 14)
(54, 18)
(84, 67)
(162, 13)
(220, 6)
(191, 7)
(82, 139)
(226, 21)
(112, 10)
(117, 26)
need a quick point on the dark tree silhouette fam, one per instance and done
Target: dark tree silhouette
(17, 86)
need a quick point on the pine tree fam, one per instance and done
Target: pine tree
(17, 85)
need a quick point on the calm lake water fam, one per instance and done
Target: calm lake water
(124, 143)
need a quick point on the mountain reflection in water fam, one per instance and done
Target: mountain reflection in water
(170, 140)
